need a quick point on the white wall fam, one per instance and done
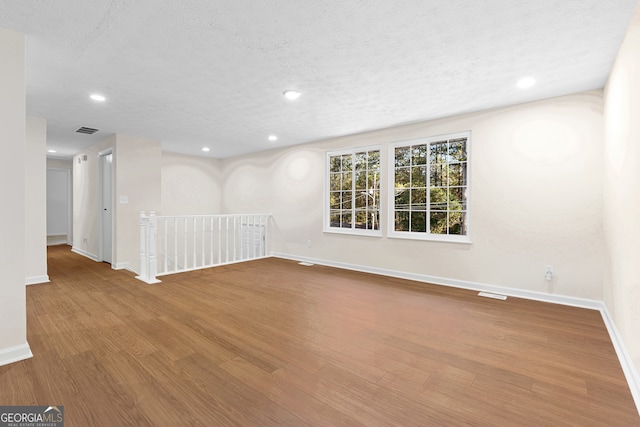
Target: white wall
(536, 185)
(13, 315)
(137, 168)
(36, 201)
(85, 198)
(622, 190)
(137, 177)
(190, 185)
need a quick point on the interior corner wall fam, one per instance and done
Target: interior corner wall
(536, 199)
(85, 198)
(137, 169)
(36, 201)
(622, 192)
(190, 185)
(13, 314)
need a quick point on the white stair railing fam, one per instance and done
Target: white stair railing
(174, 244)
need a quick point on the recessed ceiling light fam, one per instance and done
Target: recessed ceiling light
(206, 149)
(273, 138)
(97, 97)
(51, 151)
(526, 82)
(291, 94)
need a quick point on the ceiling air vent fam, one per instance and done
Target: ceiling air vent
(87, 131)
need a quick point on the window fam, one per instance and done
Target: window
(429, 191)
(352, 204)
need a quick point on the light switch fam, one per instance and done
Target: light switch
(124, 200)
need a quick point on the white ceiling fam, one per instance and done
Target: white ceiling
(211, 73)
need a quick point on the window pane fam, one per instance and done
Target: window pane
(458, 174)
(334, 164)
(403, 178)
(403, 156)
(346, 180)
(437, 152)
(361, 180)
(334, 181)
(418, 199)
(346, 219)
(438, 222)
(402, 221)
(361, 161)
(375, 199)
(419, 154)
(419, 176)
(438, 199)
(438, 176)
(346, 200)
(418, 222)
(402, 198)
(334, 219)
(346, 162)
(374, 160)
(457, 199)
(458, 150)
(361, 219)
(334, 200)
(374, 179)
(361, 199)
(457, 223)
(373, 219)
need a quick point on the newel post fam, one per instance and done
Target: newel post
(148, 263)
(143, 247)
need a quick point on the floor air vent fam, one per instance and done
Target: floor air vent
(86, 130)
(306, 264)
(494, 296)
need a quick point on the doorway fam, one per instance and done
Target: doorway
(105, 217)
(58, 206)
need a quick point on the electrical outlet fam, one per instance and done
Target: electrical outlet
(309, 243)
(548, 272)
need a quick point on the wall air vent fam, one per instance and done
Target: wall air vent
(87, 131)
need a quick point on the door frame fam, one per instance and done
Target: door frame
(101, 206)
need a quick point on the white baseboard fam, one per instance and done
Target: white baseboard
(15, 354)
(59, 239)
(84, 253)
(625, 360)
(36, 279)
(120, 266)
(623, 355)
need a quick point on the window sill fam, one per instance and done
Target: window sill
(446, 238)
(352, 232)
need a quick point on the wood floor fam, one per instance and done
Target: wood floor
(270, 343)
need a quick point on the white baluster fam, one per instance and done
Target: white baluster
(211, 241)
(219, 240)
(165, 238)
(175, 244)
(186, 231)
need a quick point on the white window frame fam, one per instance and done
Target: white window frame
(427, 235)
(327, 208)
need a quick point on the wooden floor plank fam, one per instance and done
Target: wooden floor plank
(270, 342)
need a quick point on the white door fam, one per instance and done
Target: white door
(106, 162)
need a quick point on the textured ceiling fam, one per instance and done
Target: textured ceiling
(211, 73)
